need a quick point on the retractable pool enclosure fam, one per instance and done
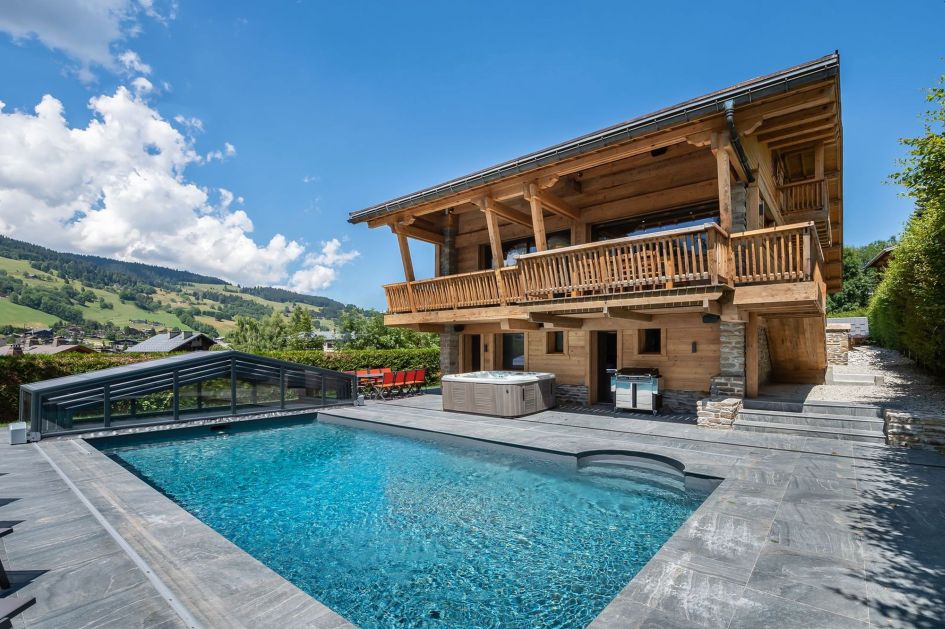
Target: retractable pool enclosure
(197, 385)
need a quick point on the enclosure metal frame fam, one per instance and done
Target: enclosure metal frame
(153, 376)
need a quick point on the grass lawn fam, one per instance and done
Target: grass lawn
(24, 316)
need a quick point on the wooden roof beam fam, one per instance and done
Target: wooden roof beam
(626, 313)
(518, 324)
(806, 139)
(488, 204)
(556, 320)
(417, 233)
(778, 136)
(550, 202)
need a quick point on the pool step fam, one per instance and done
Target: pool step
(845, 421)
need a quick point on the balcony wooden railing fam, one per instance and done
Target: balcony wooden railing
(695, 256)
(790, 253)
(804, 196)
(668, 259)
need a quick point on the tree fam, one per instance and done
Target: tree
(908, 308)
(300, 330)
(367, 331)
(260, 335)
(858, 282)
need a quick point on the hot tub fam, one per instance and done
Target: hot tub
(499, 393)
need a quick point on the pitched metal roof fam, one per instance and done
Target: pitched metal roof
(741, 93)
(134, 370)
(122, 370)
(165, 342)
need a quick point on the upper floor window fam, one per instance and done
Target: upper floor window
(639, 225)
(512, 249)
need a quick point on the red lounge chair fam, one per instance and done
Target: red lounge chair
(421, 379)
(385, 386)
(409, 381)
(400, 380)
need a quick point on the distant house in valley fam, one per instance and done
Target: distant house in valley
(881, 260)
(31, 347)
(174, 341)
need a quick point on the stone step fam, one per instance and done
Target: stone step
(843, 434)
(854, 379)
(850, 422)
(817, 407)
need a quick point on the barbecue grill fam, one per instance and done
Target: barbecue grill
(636, 389)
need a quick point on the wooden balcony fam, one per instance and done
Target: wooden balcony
(803, 201)
(696, 257)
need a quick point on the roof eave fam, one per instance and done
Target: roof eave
(694, 109)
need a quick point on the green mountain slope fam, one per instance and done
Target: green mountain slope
(41, 287)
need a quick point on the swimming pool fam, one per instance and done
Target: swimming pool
(394, 531)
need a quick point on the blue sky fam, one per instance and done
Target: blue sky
(308, 110)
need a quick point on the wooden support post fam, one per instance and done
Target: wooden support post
(724, 170)
(538, 218)
(753, 206)
(408, 265)
(495, 239)
(819, 161)
(405, 256)
(751, 355)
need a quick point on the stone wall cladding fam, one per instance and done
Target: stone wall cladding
(764, 357)
(732, 349)
(915, 430)
(838, 343)
(571, 393)
(679, 401)
(718, 411)
(449, 353)
(727, 386)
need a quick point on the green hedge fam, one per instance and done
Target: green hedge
(17, 370)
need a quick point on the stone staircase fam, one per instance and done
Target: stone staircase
(831, 420)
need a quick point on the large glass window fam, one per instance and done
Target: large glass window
(638, 226)
(513, 352)
(512, 249)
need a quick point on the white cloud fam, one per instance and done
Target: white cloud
(310, 178)
(142, 86)
(192, 124)
(90, 32)
(320, 270)
(132, 62)
(118, 188)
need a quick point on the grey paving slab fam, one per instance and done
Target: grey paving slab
(802, 532)
(759, 609)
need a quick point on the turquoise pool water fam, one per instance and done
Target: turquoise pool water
(391, 531)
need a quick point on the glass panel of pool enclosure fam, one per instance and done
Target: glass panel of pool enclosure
(198, 385)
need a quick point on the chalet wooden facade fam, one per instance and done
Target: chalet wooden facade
(701, 239)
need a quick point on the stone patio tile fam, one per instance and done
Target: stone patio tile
(815, 580)
(757, 610)
(718, 543)
(626, 614)
(746, 499)
(701, 599)
(826, 541)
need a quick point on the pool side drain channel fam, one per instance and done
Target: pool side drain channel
(137, 559)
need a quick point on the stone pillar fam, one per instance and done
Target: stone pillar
(838, 343)
(449, 351)
(731, 379)
(449, 338)
(718, 411)
(739, 207)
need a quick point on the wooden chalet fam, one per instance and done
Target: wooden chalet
(701, 239)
